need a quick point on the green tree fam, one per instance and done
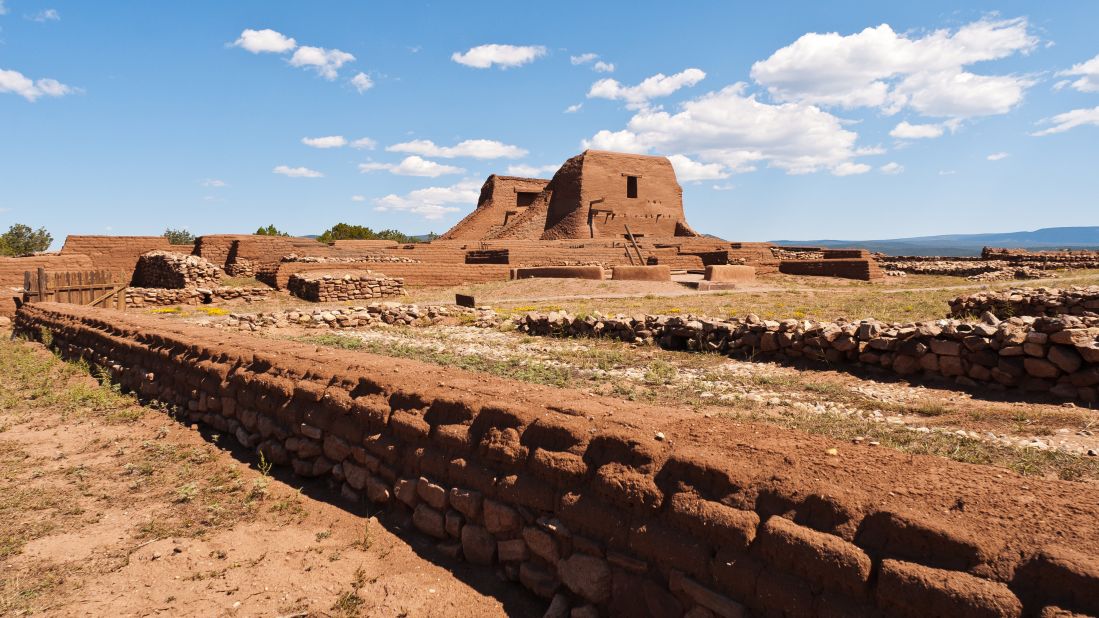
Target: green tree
(22, 240)
(270, 230)
(179, 237)
(344, 231)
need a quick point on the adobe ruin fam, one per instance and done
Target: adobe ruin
(503, 200)
(599, 194)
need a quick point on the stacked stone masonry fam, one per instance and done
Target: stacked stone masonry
(1058, 355)
(359, 317)
(137, 298)
(1075, 300)
(614, 508)
(165, 269)
(332, 286)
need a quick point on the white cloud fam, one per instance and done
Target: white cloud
(688, 170)
(603, 67)
(362, 82)
(214, 183)
(1088, 73)
(727, 186)
(947, 172)
(364, 143)
(599, 66)
(916, 131)
(572, 109)
(474, 148)
(358, 198)
(583, 58)
(330, 141)
(326, 62)
(431, 202)
(531, 171)
(265, 41)
(739, 132)
(3, 9)
(996, 156)
(45, 16)
(17, 83)
(412, 166)
(892, 168)
(847, 168)
(297, 172)
(880, 68)
(637, 97)
(1069, 120)
(505, 56)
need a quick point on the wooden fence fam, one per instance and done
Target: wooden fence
(101, 288)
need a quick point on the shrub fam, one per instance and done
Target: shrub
(179, 237)
(22, 240)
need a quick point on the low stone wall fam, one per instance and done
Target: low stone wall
(613, 507)
(1055, 355)
(413, 273)
(863, 269)
(137, 298)
(1076, 300)
(1073, 258)
(165, 269)
(359, 317)
(331, 286)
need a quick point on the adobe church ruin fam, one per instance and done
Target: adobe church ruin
(594, 195)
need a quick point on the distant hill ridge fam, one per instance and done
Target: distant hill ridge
(969, 244)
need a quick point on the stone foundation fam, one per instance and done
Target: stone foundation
(862, 269)
(613, 507)
(332, 286)
(1055, 355)
(1077, 300)
(137, 298)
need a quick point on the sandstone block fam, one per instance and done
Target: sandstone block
(587, 576)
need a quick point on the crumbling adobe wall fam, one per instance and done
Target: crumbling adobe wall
(862, 269)
(12, 271)
(503, 198)
(115, 252)
(249, 254)
(1076, 300)
(628, 508)
(358, 246)
(215, 247)
(339, 285)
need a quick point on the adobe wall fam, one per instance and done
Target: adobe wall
(628, 508)
(862, 269)
(361, 245)
(247, 255)
(12, 269)
(115, 252)
(215, 247)
(502, 199)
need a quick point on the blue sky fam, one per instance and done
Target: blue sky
(850, 120)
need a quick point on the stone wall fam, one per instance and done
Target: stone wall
(862, 269)
(164, 269)
(1076, 300)
(137, 298)
(413, 274)
(359, 317)
(614, 507)
(1044, 259)
(1059, 356)
(332, 286)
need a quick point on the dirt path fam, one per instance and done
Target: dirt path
(111, 509)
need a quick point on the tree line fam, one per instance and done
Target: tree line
(21, 239)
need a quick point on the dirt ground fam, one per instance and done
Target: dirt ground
(113, 509)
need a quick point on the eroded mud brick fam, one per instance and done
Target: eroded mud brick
(713, 522)
(718, 603)
(558, 468)
(409, 426)
(523, 489)
(589, 515)
(826, 561)
(670, 548)
(1062, 577)
(910, 590)
(627, 488)
(633, 595)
